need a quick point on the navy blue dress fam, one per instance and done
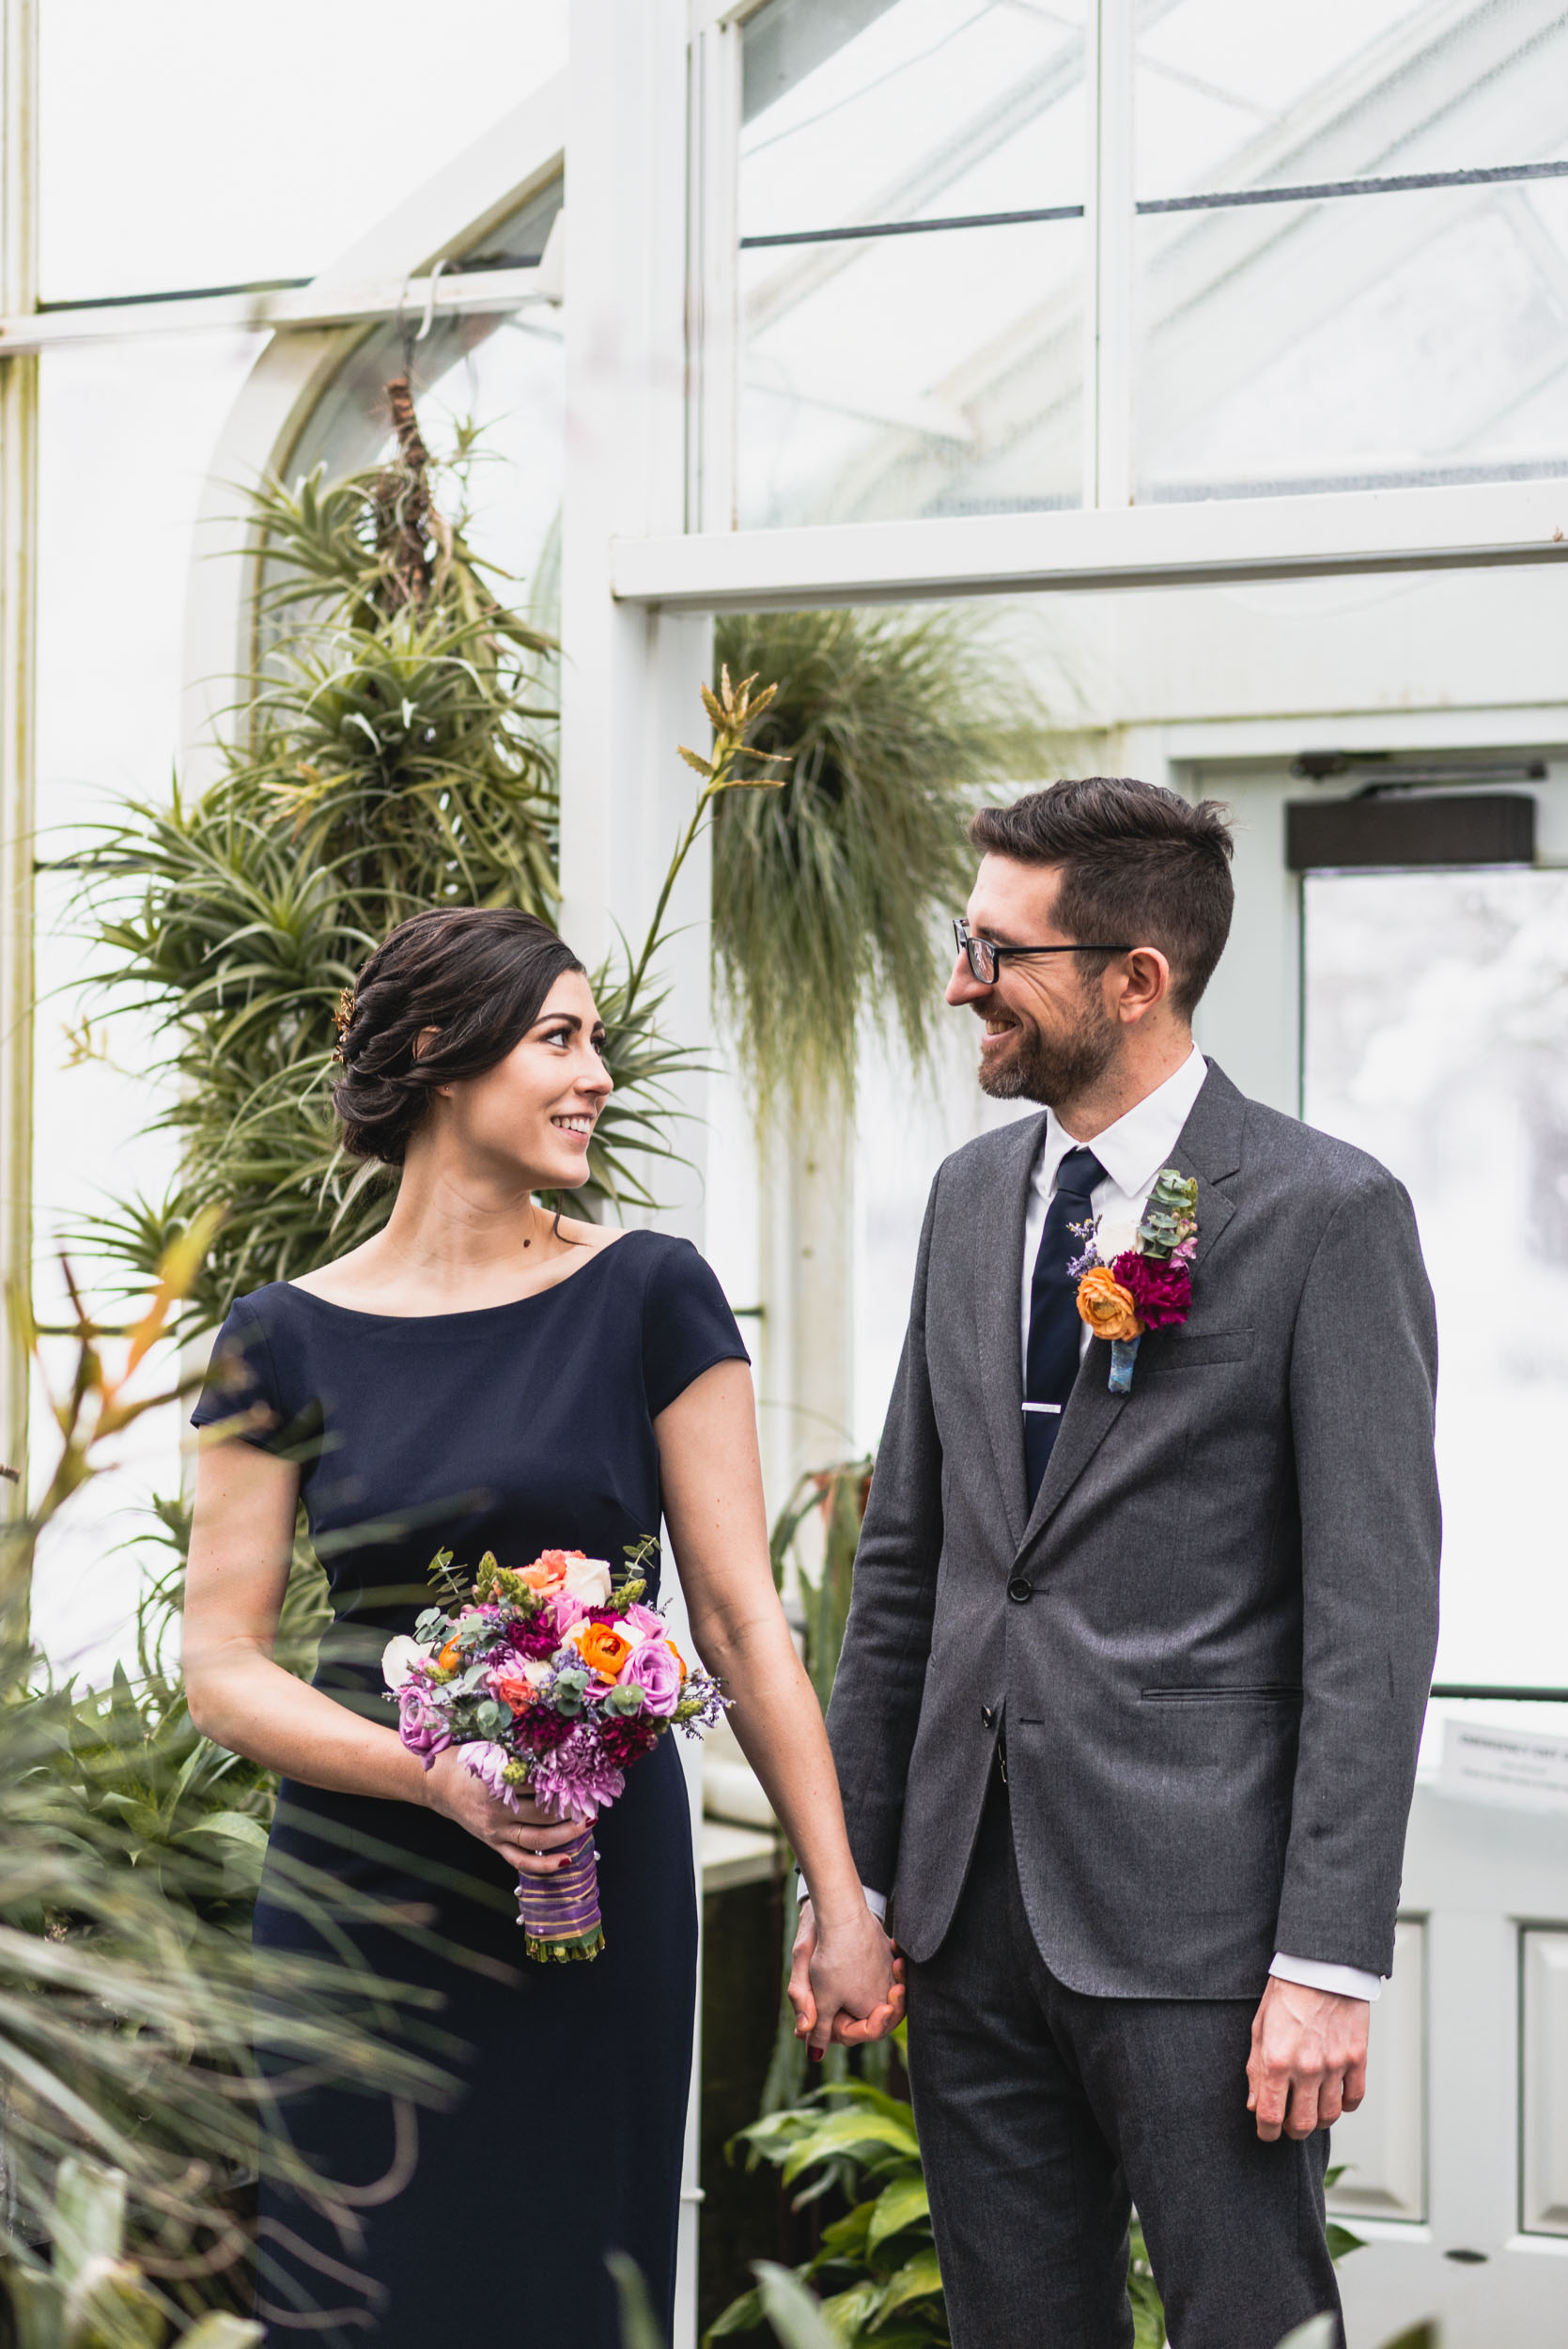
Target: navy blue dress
(517, 1428)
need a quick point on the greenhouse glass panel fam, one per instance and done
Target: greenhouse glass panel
(1437, 1037)
(243, 149)
(1231, 96)
(933, 366)
(1367, 344)
(1353, 228)
(126, 432)
(942, 376)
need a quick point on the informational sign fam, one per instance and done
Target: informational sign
(1519, 1769)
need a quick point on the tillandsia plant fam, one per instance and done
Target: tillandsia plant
(130, 2011)
(827, 895)
(393, 750)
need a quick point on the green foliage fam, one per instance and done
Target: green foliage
(878, 2264)
(91, 2295)
(129, 2005)
(640, 2328)
(837, 1496)
(392, 751)
(827, 893)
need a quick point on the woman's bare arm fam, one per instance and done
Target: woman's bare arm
(712, 1481)
(241, 1540)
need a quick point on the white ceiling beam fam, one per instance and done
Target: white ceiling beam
(1474, 525)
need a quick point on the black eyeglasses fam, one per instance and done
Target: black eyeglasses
(985, 957)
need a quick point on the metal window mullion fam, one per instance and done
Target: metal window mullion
(18, 442)
(713, 375)
(1109, 226)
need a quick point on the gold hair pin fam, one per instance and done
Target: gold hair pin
(342, 1019)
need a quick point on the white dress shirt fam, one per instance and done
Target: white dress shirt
(1132, 1152)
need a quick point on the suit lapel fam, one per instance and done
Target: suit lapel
(999, 1233)
(1208, 1148)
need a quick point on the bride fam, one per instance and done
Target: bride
(484, 1375)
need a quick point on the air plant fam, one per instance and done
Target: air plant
(829, 894)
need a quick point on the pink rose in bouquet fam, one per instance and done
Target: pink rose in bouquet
(654, 1669)
(422, 1724)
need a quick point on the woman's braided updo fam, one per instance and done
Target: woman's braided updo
(477, 974)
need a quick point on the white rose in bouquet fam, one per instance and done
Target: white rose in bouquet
(399, 1657)
(588, 1579)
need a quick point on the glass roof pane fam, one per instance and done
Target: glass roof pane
(1375, 341)
(241, 149)
(913, 375)
(1231, 95)
(877, 110)
(933, 372)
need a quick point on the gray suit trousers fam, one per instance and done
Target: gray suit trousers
(1045, 2115)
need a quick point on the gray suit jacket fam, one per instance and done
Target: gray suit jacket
(1212, 1635)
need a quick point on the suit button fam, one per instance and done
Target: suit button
(989, 1715)
(1020, 1590)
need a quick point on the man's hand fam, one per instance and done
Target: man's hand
(1309, 2059)
(845, 1983)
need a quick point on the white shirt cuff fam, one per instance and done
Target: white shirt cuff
(876, 1902)
(1313, 1973)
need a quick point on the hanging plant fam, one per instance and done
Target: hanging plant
(827, 895)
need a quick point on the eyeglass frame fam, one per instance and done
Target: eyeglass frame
(969, 946)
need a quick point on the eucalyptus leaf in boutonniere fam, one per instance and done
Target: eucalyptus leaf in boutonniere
(1121, 1295)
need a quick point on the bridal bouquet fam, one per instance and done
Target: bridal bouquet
(552, 1678)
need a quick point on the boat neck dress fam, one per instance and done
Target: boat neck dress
(516, 1429)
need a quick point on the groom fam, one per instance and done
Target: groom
(1128, 1708)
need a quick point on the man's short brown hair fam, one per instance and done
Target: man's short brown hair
(1137, 863)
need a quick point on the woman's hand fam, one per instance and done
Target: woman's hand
(846, 1981)
(527, 1838)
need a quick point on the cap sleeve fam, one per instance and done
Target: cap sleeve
(241, 1383)
(687, 1325)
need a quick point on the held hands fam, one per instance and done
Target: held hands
(845, 1983)
(1309, 2059)
(528, 1838)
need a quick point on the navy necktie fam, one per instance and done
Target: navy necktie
(1055, 1326)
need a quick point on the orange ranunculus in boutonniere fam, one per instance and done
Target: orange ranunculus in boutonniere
(1107, 1306)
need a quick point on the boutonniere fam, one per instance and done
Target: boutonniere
(1123, 1291)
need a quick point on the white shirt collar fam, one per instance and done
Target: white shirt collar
(1140, 1141)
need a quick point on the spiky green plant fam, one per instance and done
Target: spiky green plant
(828, 894)
(129, 2007)
(393, 750)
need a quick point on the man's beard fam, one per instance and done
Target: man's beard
(1055, 1069)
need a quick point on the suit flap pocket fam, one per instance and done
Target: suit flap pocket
(1182, 1353)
